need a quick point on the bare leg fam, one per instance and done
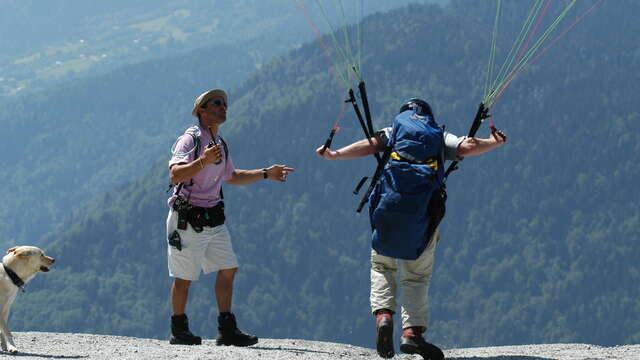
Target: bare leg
(179, 295)
(224, 289)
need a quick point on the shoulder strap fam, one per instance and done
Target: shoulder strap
(225, 147)
(196, 151)
(226, 157)
(196, 145)
(374, 179)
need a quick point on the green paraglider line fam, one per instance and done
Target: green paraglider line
(332, 70)
(346, 53)
(343, 51)
(517, 44)
(530, 58)
(524, 59)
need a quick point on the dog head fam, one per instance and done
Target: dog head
(26, 261)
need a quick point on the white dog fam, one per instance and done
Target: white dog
(19, 266)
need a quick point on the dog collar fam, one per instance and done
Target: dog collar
(14, 277)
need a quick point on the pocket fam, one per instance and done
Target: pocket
(416, 150)
(408, 178)
(420, 150)
(399, 221)
(395, 203)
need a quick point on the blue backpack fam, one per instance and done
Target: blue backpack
(411, 185)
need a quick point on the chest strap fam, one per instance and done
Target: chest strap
(431, 162)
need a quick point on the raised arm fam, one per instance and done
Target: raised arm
(478, 146)
(357, 149)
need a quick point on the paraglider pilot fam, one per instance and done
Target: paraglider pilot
(404, 231)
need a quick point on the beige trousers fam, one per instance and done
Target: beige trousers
(414, 278)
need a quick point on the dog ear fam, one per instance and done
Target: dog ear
(23, 252)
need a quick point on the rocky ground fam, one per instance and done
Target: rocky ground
(41, 345)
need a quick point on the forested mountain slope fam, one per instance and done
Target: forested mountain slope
(540, 243)
(64, 147)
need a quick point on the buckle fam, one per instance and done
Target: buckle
(431, 162)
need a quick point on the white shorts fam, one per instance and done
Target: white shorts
(206, 251)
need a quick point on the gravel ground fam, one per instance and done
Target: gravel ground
(41, 345)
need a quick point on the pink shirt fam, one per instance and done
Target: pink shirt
(205, 190)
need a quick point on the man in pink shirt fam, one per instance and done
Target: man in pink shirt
(198, 238)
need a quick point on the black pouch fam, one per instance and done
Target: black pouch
(197, 219)
(174, 240)
(182, 207)
(215, 215)
(436, 210)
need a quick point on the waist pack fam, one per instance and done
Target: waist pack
(198, 217)
(407, 203)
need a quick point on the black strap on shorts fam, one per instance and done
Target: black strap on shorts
(198, 217)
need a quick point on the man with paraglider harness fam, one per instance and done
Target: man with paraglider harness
(406, 203)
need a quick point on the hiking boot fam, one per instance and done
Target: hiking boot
(229, 334)
(384, 333)
(180, 334)
(412, 342)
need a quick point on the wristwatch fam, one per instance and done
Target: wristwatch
(264, 173)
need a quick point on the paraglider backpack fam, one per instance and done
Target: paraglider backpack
(408, 201)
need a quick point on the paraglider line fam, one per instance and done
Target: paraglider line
(553, 42)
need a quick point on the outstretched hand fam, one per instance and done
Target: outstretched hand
(278, 172)
(327, 154)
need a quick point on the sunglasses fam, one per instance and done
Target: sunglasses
(216, 102)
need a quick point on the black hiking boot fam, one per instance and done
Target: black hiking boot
(384, 333)
(180, 334)
(412, 342)
(229, 334)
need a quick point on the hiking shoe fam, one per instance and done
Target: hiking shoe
(229, 334)
(412, 342)
(384, 334)
(180, 334)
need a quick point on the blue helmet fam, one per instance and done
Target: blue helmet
(420, 106)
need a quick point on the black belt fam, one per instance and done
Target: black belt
(197, 216)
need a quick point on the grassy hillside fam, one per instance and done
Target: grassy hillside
(539, 244)
(47, 43)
